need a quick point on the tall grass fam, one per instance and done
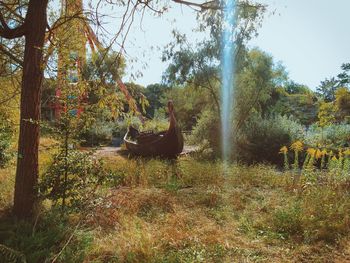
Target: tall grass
(191, 211)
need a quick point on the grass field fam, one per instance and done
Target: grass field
(192, 211)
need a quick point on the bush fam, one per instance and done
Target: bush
(206, 134)
(335, 135)
(72, 179)
(258, 140)
(100, 132)
(5, 139)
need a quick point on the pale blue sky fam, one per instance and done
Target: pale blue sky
(310, 37)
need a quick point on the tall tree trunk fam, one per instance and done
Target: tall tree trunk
(27, 162)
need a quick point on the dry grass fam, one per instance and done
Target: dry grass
(7, 174)
(192, 211)
(189, 211)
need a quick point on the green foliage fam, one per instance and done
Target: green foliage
(137, 95)
(189, 102)
(260, 139)
(288, 220)
(326, 114)
(103, 68)
(46, 240)
(296, 88)
(254, 85)
(72, 179)
(342, 104)
(344, 77)
(9, 255)
(207, 135)
(335, 135)
(98, 132)
(6, 132)
(155, 94)
(302, 107)
(327, 89)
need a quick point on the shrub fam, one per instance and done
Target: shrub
(260, 139)
(72, 179)
(206, 134)
(100, 132)
(335, 135)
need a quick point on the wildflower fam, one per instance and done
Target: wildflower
(347, 152)
(311, 151)
(324, 152)
(284, 150)
(334, 158)
(297, 146)
(318, 154)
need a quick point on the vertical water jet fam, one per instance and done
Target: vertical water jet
(227, 75)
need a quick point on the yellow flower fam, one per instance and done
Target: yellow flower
(334, 158)
(347, 152)
(297, 146)
(324, 152)
(340, 153)
(318, 154)
(311, 151)
(331, 153)
(284, 150)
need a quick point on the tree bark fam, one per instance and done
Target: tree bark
(28, 146)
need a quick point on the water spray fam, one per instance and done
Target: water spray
(227, 75)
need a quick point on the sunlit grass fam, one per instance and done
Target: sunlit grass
(7, 174)
(190, 211)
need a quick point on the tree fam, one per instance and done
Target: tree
(33, 29)
(296, 88)
(327, 89)
(200, 65)
(155, 94)
(344, 77)
(342, 103)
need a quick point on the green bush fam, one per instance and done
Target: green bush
(206, 134)
(72, 179)
(335, 135)
(100, 132)
(258, 140)
(6, 132)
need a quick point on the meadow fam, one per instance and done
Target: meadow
(189, 210)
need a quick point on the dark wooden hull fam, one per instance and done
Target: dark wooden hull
(165, 144)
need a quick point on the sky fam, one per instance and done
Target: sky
(311, 38)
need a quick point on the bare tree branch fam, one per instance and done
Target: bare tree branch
(213, 5)
(10, 55)
(7, 32)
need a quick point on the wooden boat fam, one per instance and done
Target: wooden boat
(166, 143)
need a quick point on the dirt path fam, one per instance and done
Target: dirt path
(112, 151)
